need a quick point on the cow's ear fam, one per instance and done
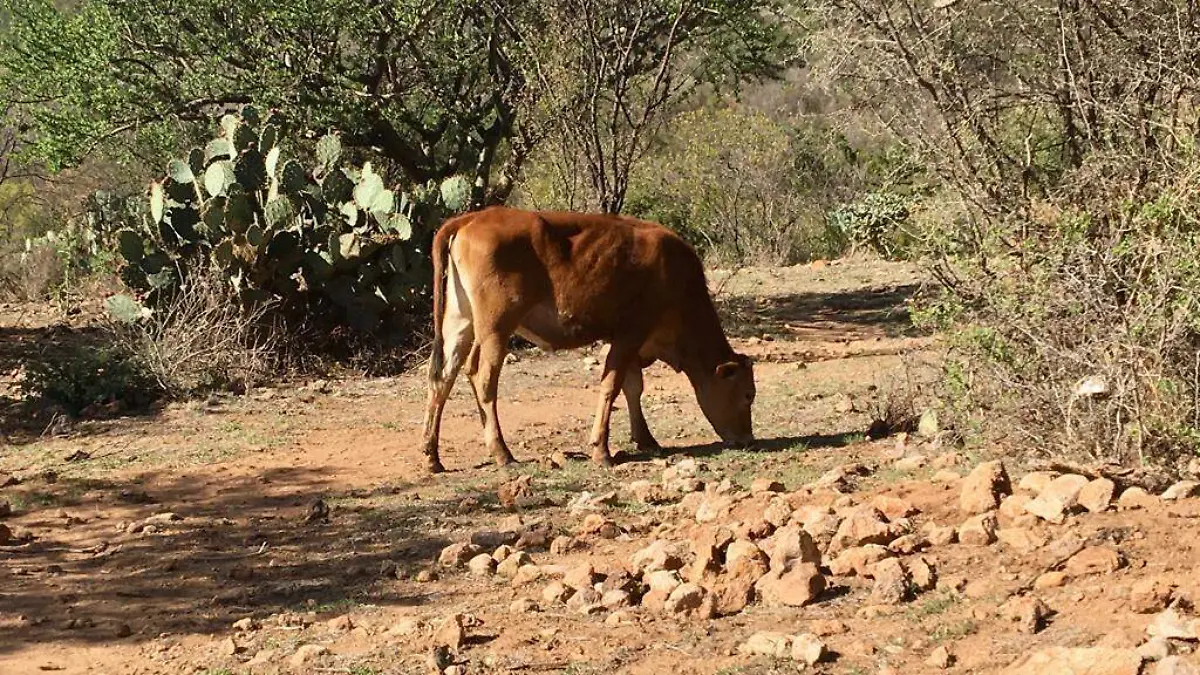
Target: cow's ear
(728, 370)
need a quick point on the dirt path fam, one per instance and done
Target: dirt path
(301, 513)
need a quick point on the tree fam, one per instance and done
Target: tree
(608, 73)
(429, 87)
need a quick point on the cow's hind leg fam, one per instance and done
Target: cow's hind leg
(457, 346)
(486, 379)
(639, 430)
(616, 366)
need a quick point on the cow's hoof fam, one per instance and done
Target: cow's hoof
(505, 461)
(435, 466)
(604, 461)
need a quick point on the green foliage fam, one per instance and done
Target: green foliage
(878, 221)
(92, 376)
(332, 242)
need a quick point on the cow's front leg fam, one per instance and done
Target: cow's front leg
(638, 429)
(616, 364)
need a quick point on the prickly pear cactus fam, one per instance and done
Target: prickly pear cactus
(313, 238)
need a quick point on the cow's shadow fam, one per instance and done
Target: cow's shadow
(765, 445)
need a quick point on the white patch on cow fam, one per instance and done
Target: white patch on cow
(458, 330)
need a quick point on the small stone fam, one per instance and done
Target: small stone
(1028, 612)
(923, 575)
(246, 625)
(659, 555)
(1020, 539)
(688, 599)
(945, 476)
(663, 581)
(893, 585)
(595, 524)
(1097, 495)
(864, 525)
(858, 560)
(908, 544)
(482, 565)
(946, 460)
(1012, 507)
(1053, 579)
(910, 464)
(1174, 665)
(426, 576)
(1136, 498)
(808, 648)
(979, 530)
(562, 545)
(581, 576)
(1058, 498)
(523, 606)
(894, 508)
(457, 555)
(527, 574)
(795, 587)
(941, 536)
(452, 632)
(511, 566)
(940, 658)
(1148, 596)
(340, 623)
(766, 643)
(761, 485)
(983, 488)
(616, 599)
(827, 627)
(585, 601)
(792, 544)
(306, 655)
(456, 669)
(619, 618)
(1078, 661)
(1181, 490)
(1169, 625)
(1034, 482)
(556, 592)
(1155, 649)
(1094, 560)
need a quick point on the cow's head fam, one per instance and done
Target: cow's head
(726, 396)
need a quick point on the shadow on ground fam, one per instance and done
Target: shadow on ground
(799, 314)
(245, 546)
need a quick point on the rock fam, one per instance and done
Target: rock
(1078, 661)
(908, 544)
(306, 654)
(734, 590)
(1169, 625)
(596, 524)
(501, 553)
(516, 493)
(894, 508)
(1050, 580)
(761, 485)
(893, 585)
(864, 525)
(983, 488)
(457, 555)
(616, 599)
(689, 599)
(927, 424)
(708, 548)
(1136, 498)
(923, 575)
(1148, 596)
(523, 606)
(246, 625)
(946, 460)
(1028, 612)
(1173, 665)
(1097, 495)
(713, 507)
(581, 577)
(778, 512)
(619, 618)
(979, 530)
(765, 643)
(659, 555)
(663, 581)
(482, 565)
(808, 648)
(1181, 490)
(340, 623)
(451, 633)
(512, 564)
(1058, 498)
(742, 550)
(941, 536)
(797, 586)
(585, 601)
(1033, 483)
(648, 493)
(556, 592)
(1094, 560)
(562, 545)
(858, 560)
(1155, 649)
(229, 647)
(940, 658)
(1012, 507)
(1060, 550)
(844, 404)
(827, 627)
(426, 576)
(910, 464)
(456, 669)
(527, 574)
(792, 544)
(945, 476)
(1020, 539)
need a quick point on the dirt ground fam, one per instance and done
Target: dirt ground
(301, 514)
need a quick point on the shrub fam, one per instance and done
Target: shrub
(92, 376)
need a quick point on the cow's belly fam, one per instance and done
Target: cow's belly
(544, 327)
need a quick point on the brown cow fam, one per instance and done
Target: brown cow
(567, 280)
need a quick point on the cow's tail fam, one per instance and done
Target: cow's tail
(441, 265)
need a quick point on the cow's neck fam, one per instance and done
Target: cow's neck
(702, 345)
